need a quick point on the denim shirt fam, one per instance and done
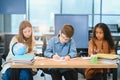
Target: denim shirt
(62, 49)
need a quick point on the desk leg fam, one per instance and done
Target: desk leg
(104, 74)
(114, 73)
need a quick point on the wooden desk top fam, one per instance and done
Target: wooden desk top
(73, 63)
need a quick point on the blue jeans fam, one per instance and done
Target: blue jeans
(23, 75)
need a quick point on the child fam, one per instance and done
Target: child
(24, 36)
(101, 42)
(62, 47)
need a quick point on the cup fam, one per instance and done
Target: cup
(93, 59)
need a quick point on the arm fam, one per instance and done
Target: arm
(112, 51)
(72, 51)
(10, 54)
(90, 48)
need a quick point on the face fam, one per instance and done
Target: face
(27, 32)
(99, 34)
(63, 38)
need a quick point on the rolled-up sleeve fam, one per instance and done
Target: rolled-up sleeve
(49, 49)
(72, 51)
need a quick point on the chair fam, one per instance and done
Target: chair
(116, 39)
(1, 49)
(44, 70)
(4, 46)
(113, 28)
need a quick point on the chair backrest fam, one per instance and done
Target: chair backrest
(116, 39)
(7, 39)
(44, 45)
(45, 39)
(1, 44)
(82, 52)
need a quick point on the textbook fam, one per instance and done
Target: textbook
(109, 61)
(107, 56)
(23, 59)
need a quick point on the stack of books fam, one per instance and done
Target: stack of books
(23, 59)
(108, 58)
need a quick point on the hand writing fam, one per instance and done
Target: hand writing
(67, 58)
(56, 56)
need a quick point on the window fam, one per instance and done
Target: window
(42, 14)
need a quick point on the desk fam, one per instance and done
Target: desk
(73, 63)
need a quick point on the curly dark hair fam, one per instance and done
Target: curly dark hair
(107, 34)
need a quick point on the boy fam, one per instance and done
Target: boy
(62, 47)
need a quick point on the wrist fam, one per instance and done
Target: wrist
(52, 55)
(69, 55)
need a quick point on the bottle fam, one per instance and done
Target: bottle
(93, 58)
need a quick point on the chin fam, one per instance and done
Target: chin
(27, 37)
(62, 42)
(100, 39)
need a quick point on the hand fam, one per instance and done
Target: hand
(56, 56)
(67, 58)
(35, 52)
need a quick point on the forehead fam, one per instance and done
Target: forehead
(27, 28)
(63, 35)
(98, 29)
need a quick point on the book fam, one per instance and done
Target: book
(23, 62)
(107, 56)
(23, 59)
(109, 61)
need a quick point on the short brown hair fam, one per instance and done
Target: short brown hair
(68, 30)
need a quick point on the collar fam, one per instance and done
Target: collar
(57, 39)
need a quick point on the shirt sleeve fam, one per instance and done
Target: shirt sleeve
(72, 52)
